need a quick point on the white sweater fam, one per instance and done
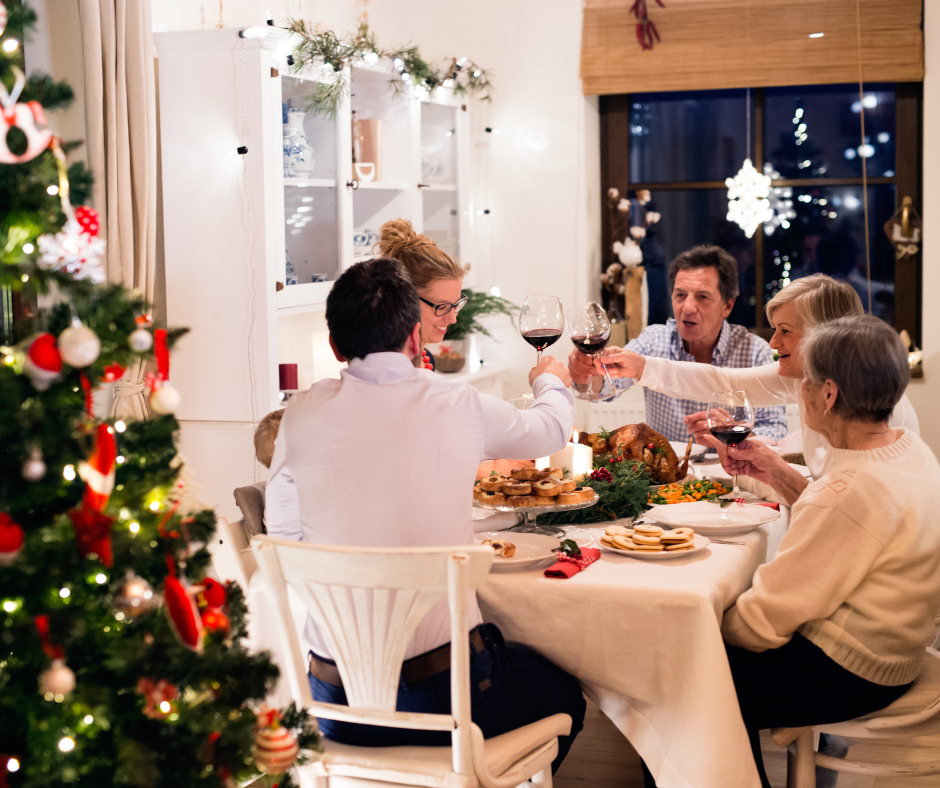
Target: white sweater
(858, 572)
(764, 387)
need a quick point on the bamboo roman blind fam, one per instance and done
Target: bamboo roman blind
(714, 44)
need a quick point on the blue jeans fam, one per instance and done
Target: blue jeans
(510, 686)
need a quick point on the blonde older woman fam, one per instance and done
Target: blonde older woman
(807, 302)
(836, 625)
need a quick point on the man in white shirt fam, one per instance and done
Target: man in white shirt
(386, 457)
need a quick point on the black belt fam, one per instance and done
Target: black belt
(412, 670)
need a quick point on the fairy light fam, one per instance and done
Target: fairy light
(64, 593)
(28, 248)
(120, 426)
(154, 506)
(13, 765)
(101, 578)
(134, 527)
(165, 706)
(10, 605)
(66, 744)
(88, 719)
(69, 473)
(52, 190)
(10, 45)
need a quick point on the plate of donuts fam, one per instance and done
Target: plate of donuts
(651, 542)
(528, 488)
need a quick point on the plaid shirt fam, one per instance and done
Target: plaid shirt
(737, 347)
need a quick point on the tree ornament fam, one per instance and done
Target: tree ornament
(57, 679)
(87, 219)
(159, 697)
(140, 339)
(164, 399)
(43, 362)
(98, 472)
(748, 206)
(135, 596)
(79, 346)
(182, 613)
(28, 118)
(73, 251)
(34, 468)
(12, 538)
(3, 18)
(92, 533)
(213, 593)
(215, 620)
(113, 372)
(275, 748)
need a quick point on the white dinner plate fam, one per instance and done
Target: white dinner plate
(531, 549)
(701, 542)
(711, 519)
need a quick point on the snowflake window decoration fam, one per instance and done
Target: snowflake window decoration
(748, 203)
(781, 203)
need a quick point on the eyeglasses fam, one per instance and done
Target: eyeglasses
(444, 309)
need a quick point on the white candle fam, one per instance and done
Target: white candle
(576, 458)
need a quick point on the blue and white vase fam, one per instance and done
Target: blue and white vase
(299, 156)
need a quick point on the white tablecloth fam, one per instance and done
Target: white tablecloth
(643, 638)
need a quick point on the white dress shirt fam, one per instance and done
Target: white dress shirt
(386, 457)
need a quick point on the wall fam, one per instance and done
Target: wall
(925, 394)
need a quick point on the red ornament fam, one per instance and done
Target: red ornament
(98, 472)
(275, 748)
(43, 362)
(11, 539)
(87, 219)
(92, 532)
(112, 372)
(159, 697)
(645, 29)
(183, 615)
(213, 592)
(214, 619)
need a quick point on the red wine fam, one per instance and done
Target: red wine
(541, 338)
(731, 436)
(591, 344)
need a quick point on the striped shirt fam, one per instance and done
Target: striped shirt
(736, 347)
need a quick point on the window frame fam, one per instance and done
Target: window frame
(615, 111)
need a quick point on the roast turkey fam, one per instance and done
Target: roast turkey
(634, 442)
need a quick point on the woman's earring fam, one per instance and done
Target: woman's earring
(825, 413)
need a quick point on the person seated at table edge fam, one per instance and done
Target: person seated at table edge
(807, 302)
(836, 625)
(704, 283)
(385, 457)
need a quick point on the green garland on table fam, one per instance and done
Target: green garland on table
(623, 492)
(323, 45)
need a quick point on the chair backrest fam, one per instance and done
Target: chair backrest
(367, 603)
(231, 556)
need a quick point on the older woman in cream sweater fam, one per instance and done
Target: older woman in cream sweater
(836, 625)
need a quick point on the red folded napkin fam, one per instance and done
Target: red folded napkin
(568, 565)
(769, 504)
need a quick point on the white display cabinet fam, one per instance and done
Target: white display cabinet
(251, 250)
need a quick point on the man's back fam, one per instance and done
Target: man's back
(385, 457)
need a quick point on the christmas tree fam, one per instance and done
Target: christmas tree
(121, 660)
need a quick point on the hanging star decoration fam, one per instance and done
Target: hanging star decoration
(748, 204)
(781, 203)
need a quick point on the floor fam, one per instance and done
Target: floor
(602, 758)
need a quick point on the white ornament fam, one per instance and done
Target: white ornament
(79, 346)
(140, 340)
(34, 468)
(28, 118)
(275, 750)
(748, 205)
(73, 251)
(57, 679)
(628, 252)
(165, 399)
(781, 203)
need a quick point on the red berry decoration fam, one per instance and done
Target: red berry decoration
(87, 219)
(601, 475)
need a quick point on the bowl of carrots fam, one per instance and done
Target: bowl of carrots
(684, 492)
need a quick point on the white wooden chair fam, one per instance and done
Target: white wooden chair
(916, 713)
(368, 602)
(232, 557)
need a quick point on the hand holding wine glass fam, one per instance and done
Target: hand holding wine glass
(541, 322)
(730, 418)
(590, 333)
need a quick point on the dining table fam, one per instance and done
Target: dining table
(643, 637)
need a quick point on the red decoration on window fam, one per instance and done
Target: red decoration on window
(645, 29)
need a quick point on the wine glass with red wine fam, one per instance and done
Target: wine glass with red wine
(541, 322)
(730, 420)
(590, 332)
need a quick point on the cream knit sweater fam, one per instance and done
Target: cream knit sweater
(858, 572)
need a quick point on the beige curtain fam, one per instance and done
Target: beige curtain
(121, 137)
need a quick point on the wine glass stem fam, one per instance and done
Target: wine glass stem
(736, 492)
(538, 357)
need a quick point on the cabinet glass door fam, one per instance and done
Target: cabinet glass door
(439, 179)
(312, 254)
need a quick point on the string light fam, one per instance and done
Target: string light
(66, 744)
(10, 45)
(13, 765)
(64, 593)
(69, 473)
(28, 248)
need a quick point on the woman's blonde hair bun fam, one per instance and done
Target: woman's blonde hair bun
(423, 259)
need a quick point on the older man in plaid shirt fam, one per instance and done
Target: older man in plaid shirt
(704, 284)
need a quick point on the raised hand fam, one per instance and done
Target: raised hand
(552, 366)
(620, 363)
(755, 459)
(580, 367)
